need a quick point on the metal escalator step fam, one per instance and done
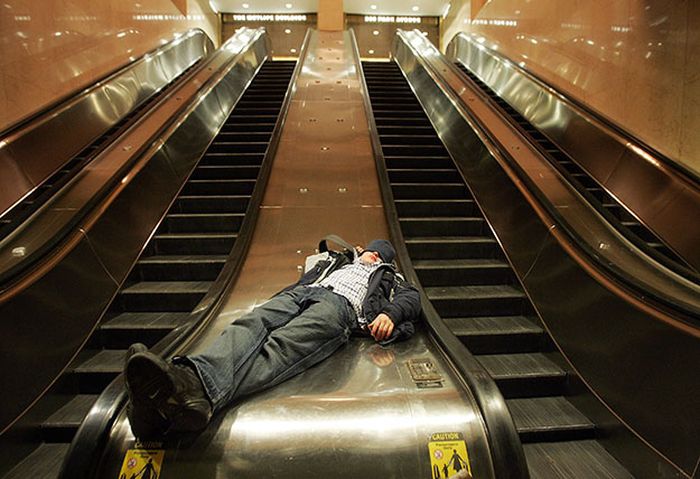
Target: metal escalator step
(436, 208)
(399, 121)
(464, 301)
(228, 158)
(145, 321)
(219, 187)
(202, 222)
(414, 191)
(243, 137)
(211, 204)
(380, 115)
(572, 459)
(61, 425)
(223, 146)
(153, 296)
(180, 267)
(424, 175)
(248, 127)
(549, 419)
(412, 161)
(443, 226)
(498, 334)
(412, 139)
(447, 247)
(211, 172)
(45, 462)
(416, 150)
(524, 375)
(459, 272)
(194, 243)
(103, 361)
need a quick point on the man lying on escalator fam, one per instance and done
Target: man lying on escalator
(356, 291)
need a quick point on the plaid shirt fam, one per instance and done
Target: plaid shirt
(351, 281)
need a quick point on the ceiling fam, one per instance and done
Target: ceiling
(383, 7)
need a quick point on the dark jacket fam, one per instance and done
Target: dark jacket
(387, 293)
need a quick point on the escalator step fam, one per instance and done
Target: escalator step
(202, 222)
(524, 375)
(413, 191)
(154, 296)
(462, 301)
(460, 272)
(424, 175)
(180, 267)
(193, 243)
(443, 226)
(103, 361)
(144, 321)
(45, 462)
(411, 161)
(498, 334)
(229, 158)
(212, 203)
(549, 419)
(446, 247)
(209, 172)
(435, 208)
(61, 425)
(559, 460)
(219, 187)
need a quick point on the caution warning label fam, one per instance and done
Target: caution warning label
(448, 454)
(142, 464)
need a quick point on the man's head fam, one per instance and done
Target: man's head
(382, 248)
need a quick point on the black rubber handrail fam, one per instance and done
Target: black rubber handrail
(91, 438)
(507, 456)
(678, 309)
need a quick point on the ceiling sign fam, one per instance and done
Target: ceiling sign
(269, 18)
(390, 19)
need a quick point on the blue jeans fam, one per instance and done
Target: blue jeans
(277, 340)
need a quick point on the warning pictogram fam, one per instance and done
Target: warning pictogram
(142, 464)
(448, 454)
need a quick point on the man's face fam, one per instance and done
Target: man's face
(370, 257)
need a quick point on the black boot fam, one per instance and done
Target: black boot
(145, 420)
(173, 392)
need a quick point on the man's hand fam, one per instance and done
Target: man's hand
(382, 327)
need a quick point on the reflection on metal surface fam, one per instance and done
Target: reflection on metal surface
(66, 296)
(576, 216)
(358, 414)
(607, 332)
(31, 152)
(628, 171)
(69, 206)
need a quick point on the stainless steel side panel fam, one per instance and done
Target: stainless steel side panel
(51, 312)
(661, 197)
(357, 414)
(30, 153)
(637, 360)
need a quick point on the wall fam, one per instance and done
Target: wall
(51, 48)
(286, 38)
(374, 39)
(635, 61)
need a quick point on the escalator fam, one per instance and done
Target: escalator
(48, 150)
(176, 269)
(467, 278)
(597, 195)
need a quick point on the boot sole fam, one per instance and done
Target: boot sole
(148, 381)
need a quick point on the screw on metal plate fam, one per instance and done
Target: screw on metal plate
(303, 190)
(342, 189)
(19, 251)
(325, 148)
(127, 148)
(340, 120)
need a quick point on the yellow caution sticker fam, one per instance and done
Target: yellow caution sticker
(142, 464)
(448, 454)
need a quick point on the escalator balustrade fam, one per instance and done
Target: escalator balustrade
(598, 196)
(466, 276)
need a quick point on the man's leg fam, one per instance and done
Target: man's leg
(319, 330)
(176, 392)
(226, 360)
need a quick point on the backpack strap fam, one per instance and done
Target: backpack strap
(323, 244)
